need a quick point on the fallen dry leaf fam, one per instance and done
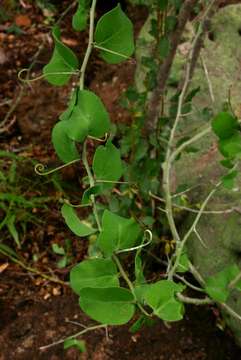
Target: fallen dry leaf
(3, 267)
(22, 20)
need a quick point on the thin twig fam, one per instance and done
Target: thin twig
(181, 245)
(82, 332)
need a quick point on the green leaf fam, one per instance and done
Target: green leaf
(79, 344)
(139, 323)
(61, 264)
(114, 31)
(63, 61)
(111, 306)
(12, 229)
(94, 190)
(162, 4)
(78, 227)
(88, 117)
(228, 180)
(72, 102)
(170, 23)
(79, 20)
(183, 265)
(224, 125)
(94, 273)
(7, 250)
(63, 145)
(59, 250)
(164, 47)
(140, 278)
(161, 298)
(107, 165)
(217, 285)
(231, 147)
(117, 233)
(227, 163)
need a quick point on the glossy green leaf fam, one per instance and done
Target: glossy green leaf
(111, 306)
(63, 62)
(79, 344)
(94, 273)
(107, 165)
(79, 228)
(117, 233)
(114, 31)
(231, 147)
(63, 145)
(79, 20)
(161, 298)
(224, 125)
(217, 285)
(88, 117)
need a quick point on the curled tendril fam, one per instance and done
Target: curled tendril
(66, 201)
(42, 76)
(143, 244)
(99, 139)
(40, 168)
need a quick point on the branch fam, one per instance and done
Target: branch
(194, 301)
(165, 68)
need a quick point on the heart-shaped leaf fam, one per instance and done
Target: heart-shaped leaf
(111, 306)
(117, 233)
(78, 227)
(107, 165)
(63, 145)
(62, 64)
(114, 32)
(88, 117)
(94, 273)
(161, 298)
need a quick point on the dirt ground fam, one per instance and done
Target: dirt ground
(35, 312)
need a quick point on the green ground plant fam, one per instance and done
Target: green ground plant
(100, 280)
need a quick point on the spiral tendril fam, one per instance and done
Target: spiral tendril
(40, 168)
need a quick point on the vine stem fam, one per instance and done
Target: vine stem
(130, 285)
(61, 341)
(92, 183)
(90, 45)
(81, 86)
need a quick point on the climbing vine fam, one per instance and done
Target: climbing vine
(107, 292)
